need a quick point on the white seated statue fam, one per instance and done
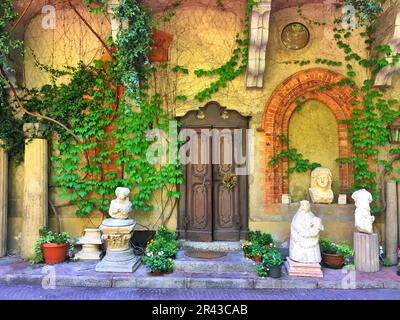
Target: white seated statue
(362, 215)
(304, 235)
(121, 206)
(321, 186)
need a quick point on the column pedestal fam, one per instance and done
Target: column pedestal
(91, 243)
(119, 256)
(366, 248)
(297, 269)
(391, 227)
(3, 201)
(35, 214)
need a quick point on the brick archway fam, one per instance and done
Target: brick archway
(304, 85)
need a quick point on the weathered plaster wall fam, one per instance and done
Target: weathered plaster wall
(313, 131)
(203, 38)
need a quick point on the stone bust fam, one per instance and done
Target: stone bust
(304, 235)
(362, 215)
(321, 186)
(121, 206)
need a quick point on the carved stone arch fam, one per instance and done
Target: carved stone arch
(304, 86)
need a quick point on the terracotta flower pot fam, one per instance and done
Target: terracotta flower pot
(275, 271)
(257, 259)
(54, 253)
(334, 261)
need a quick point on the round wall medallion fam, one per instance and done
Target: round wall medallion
(295, 36)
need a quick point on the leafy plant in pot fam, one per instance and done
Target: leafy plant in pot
(273, 261)
(158, 264)
(51, 247)
(335, 255)
(257, 252)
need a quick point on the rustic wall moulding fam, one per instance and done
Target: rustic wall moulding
(259, 32)
(278, 111)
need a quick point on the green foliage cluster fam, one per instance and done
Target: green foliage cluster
(11, 136)
(258, 245)
(161, 251)
(109, 111)
(272, 258)
(294, 157)
(234, 67)
(328, 246)
(47, 236)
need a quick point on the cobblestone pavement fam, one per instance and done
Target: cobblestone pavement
(24, 292)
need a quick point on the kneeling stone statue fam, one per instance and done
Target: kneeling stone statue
(304, 251)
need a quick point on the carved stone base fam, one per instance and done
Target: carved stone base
(119, 261)
(366, 252)
(89, 252)
(297, 269)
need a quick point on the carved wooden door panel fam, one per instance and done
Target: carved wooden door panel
(208, 209)
(199, 194)
(226, 198)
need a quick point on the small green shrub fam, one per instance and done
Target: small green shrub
(158, 262)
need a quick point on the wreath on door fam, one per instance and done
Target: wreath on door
(229, 181)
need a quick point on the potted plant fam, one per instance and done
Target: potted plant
(158, 264)
(247, 247)
(335, 255)
(272, 260)
(52, 248)
(257, 252)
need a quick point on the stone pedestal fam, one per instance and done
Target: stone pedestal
(297, 269)
(91, 245)
(366, 248)
(119, 255)
(3, 201)
(35, 214)
(391, 223)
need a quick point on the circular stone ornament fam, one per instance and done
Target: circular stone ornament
(295, 36)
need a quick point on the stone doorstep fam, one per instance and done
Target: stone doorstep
(184, 281)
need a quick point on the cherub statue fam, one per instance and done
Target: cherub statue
(304, 235)
(362, 215)
(121, 206)
(321, 186)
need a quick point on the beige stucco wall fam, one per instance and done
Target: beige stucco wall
(313, 132)
(203, 38)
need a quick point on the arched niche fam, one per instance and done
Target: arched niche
(313, 132)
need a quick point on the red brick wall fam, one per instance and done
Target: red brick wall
(277, 114)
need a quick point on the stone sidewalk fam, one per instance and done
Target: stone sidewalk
(82, 274)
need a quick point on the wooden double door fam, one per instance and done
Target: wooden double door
(214, 197)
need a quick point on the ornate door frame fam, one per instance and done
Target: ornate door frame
(211, 116)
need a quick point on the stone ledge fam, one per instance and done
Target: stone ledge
(185, 282)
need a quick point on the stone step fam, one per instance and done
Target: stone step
(232, 262)
(215, 246)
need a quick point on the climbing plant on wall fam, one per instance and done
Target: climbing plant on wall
(107, 108)
(373, 112)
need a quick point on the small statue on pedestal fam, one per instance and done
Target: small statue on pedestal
(363, 217)
(321, 186)
(121, 207)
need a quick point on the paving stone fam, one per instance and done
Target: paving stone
(299, 284)
(219, 283)
(160, 282)
(83, 281)
(124, 282)
(330, 285)
(369, 284)
(391, 284)
(268, 283)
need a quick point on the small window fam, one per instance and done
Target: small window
(295, 36)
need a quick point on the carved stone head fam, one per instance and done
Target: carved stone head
(122, 193)
(321, 178)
